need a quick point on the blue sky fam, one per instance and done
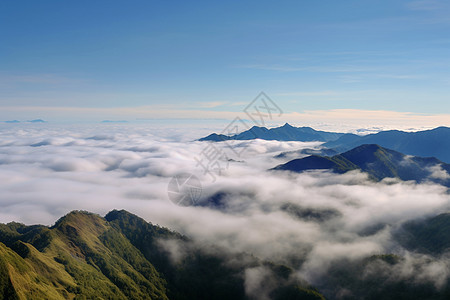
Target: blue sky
(105, 56)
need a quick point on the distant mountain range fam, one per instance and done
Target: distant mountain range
(428, 143)
(435, 142)
(378, 162)
(283, 133)
(29, 121)
(121, 256)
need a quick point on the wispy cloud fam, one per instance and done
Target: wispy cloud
(350, 73)
(318, 69)
(427, 5)
(310, 94)
(211, 104)
(49, 79)
(399, 76)
(434, 11)
(270, 68)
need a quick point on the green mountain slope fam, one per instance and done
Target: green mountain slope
(82, 256)
(378, 277)
(121, 256)
(431, 236)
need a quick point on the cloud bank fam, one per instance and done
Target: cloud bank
(309, 221)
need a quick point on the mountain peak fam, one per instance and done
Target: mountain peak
(287, 132)
(427, 143)
(441, 128)
(82, 220)
(258, 127)
(375, 160)
(119, 214)
(366, 148)
(75, 214)
(215, 137)
(367, 153)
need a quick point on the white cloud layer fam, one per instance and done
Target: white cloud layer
(48, 171)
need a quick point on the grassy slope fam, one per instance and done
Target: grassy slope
(85, 256)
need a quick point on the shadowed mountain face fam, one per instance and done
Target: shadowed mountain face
(430, 236)
(378, 162)
(121, 256)
(427, 143)
(283, 133)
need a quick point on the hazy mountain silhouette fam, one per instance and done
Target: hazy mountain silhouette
(283, 133)
(428, 143)
(435, 142)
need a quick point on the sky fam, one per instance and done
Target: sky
(327, 64)
(97, 60)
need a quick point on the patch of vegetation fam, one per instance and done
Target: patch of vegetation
(85, 256)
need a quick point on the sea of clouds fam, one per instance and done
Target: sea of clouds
(48, 170)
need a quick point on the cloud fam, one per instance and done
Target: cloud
(46, 171)
(438, 173)
(319, 69)
(43, 79)
(210, 104)
(256, 282)
(427, 5)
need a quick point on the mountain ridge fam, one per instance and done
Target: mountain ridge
(434, 142)
(426, 143)
(377, 161)
(286, 132)
(121, 256)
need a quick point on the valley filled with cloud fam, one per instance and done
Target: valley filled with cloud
(312, 221)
